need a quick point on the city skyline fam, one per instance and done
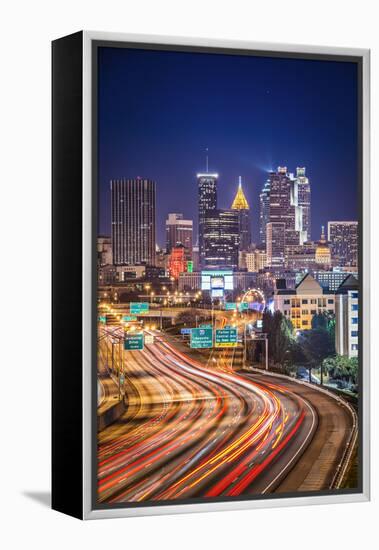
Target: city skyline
(269, 122)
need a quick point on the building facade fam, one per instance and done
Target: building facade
(179, 231)
(207, 202)
(347, 318)
(104, 251)
(323, 254)
(221, 234)
(304, 201)
(275, 243)
(256, 260)
(264, 211)
(133, 221)
(307, 299)
(241, 206)
(177, 261)
(343, 238)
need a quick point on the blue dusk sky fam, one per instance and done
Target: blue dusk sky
(158, 111)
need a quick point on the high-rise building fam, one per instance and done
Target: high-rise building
(264, 210)
(241, 205)
(221, 236)
(179, 231)
(207, 202)
(347, 317)
(275, 243)
(133, 221)
(304, 201)
(343, 238)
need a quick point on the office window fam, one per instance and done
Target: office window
(354, 307)
(354, 333)
(304, 301)
(354, 320)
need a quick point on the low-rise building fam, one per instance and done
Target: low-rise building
(300, 304)
(347, 317)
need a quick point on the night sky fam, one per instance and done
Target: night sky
(159, 111)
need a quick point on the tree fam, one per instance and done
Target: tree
(279, 331)
(189, 317)
(342, 368)
(317, 345)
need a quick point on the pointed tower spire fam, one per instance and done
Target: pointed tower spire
(240, 201)
(206, 160)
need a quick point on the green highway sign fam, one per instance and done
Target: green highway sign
(190, 266)
(133, 341)
(122, 379)
(128, 318)
(205, 326)
(230, 306)
(243, 306)
(139, 307)
(102, 319)
(201, 338)
(226, 337)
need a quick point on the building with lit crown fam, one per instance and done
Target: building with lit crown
(241, 205)
(264, 211)
(323, 255)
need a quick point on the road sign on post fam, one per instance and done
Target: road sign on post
(243, 306)
(139, 307)
(185, 331)
(230, 306)
(129, 318)
(149, 338)
(201, 338)
(226, 338)
(133, 341)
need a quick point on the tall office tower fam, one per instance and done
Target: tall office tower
(221, 235)
(133, 221)
(343, 238)
(275, 243)
(179, 231)
(264, 210)
(304, 201)
(284, 206)
(207, 202)
(241, 205)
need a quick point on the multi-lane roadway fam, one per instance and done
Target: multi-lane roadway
(192, 430)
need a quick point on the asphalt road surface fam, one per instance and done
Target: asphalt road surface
(205, 431)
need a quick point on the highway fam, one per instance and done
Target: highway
(193, 430)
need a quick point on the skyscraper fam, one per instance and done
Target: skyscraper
(284, 209)
(133, 221)
(343, 237)
(241, 205)
(264, 210)
(221, 234)
(304, 201)
(275, 243)
(179, 231)
(207, 202)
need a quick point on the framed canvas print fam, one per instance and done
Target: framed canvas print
(210, 275)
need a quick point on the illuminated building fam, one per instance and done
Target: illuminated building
(221, 239)
(179, 231)
(256, 260)
(304, 201)
(264, 210)
(275, 243)
(104, 251)
(322, 255)
(207, 202)
(241, 205)
(177, 262)
(347, 317)
(133, 221)
(300, 304)
(343, 238)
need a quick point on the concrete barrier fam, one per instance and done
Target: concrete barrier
(112, 414)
